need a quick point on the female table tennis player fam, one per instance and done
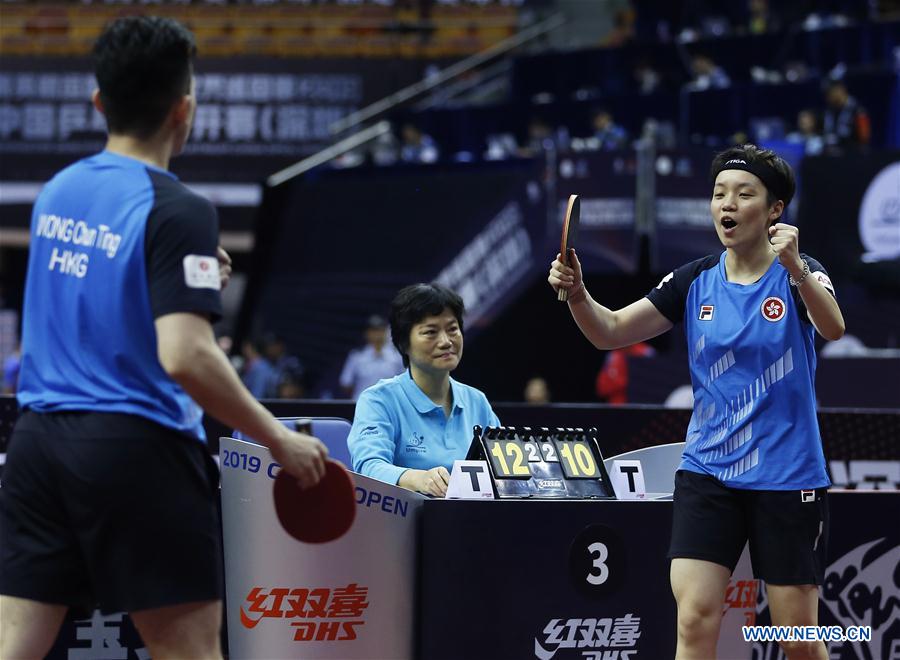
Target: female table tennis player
(753, 467)
(409, 429)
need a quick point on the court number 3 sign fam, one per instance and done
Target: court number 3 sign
(600, 571)
(597, 561)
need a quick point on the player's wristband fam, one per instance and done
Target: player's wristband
(803, 277)
(578, 295)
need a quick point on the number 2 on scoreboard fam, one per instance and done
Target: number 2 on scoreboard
(549, 452)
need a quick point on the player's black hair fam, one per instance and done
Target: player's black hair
(416, 302)
(771, 168)
(143, 66)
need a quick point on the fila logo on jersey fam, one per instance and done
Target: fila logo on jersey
(772, 309)
(807, 496)
(706, 312)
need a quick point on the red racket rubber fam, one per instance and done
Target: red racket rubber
(319, 514)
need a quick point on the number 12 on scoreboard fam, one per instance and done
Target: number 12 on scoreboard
(508, 459)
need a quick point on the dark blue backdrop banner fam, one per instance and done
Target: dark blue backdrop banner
(605, 182)
(336, 245)
(684, 228)
(266, 112)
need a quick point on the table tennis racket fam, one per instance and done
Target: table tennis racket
(569, 234)
(318, 514)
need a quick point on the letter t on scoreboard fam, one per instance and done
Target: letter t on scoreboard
(628, 479)
(470, 480)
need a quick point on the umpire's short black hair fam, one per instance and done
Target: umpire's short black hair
(143, 66)
(416, 302)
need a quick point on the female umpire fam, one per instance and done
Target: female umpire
(408, 430)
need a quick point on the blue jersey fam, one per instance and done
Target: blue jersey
(753, 367)
(397, 427)
(115, 243)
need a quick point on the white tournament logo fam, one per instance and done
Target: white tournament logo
(879, 216)
(772, 309)
(665, 279)
(860, 589)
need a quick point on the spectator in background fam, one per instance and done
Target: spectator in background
(373, 362)
(739, 137)
(608, 135)
(257, 374)
(612, 380)
(537, 392)
(760, 20)
(707, 74)
(275, 351)
(291, 385)
(226, 343)
(646, 76)
(807, 133)
(846, 124)
(416, 146)
(623, 29)
(540, 138)
(11, 370)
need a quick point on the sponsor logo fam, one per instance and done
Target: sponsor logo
(706, 312)
(807, 496)
(742, 595)
(824, 280)
(101, 637)
(325, 614)
(619, 636)
(865, 475)
(879, 217)
(665, 279)
(201, 272)
(549, 483)
(772, 309)
(860, 590)
(736, 161)
(416, 444)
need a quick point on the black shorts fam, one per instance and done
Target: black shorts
(110, 511)
(787, 529)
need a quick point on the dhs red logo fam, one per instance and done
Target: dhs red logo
(773, 309)
(323, 611)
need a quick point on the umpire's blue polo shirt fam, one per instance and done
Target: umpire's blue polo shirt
(397, 427)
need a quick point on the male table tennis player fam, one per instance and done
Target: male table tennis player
(108, 490)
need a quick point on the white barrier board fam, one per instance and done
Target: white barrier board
(350, 598)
